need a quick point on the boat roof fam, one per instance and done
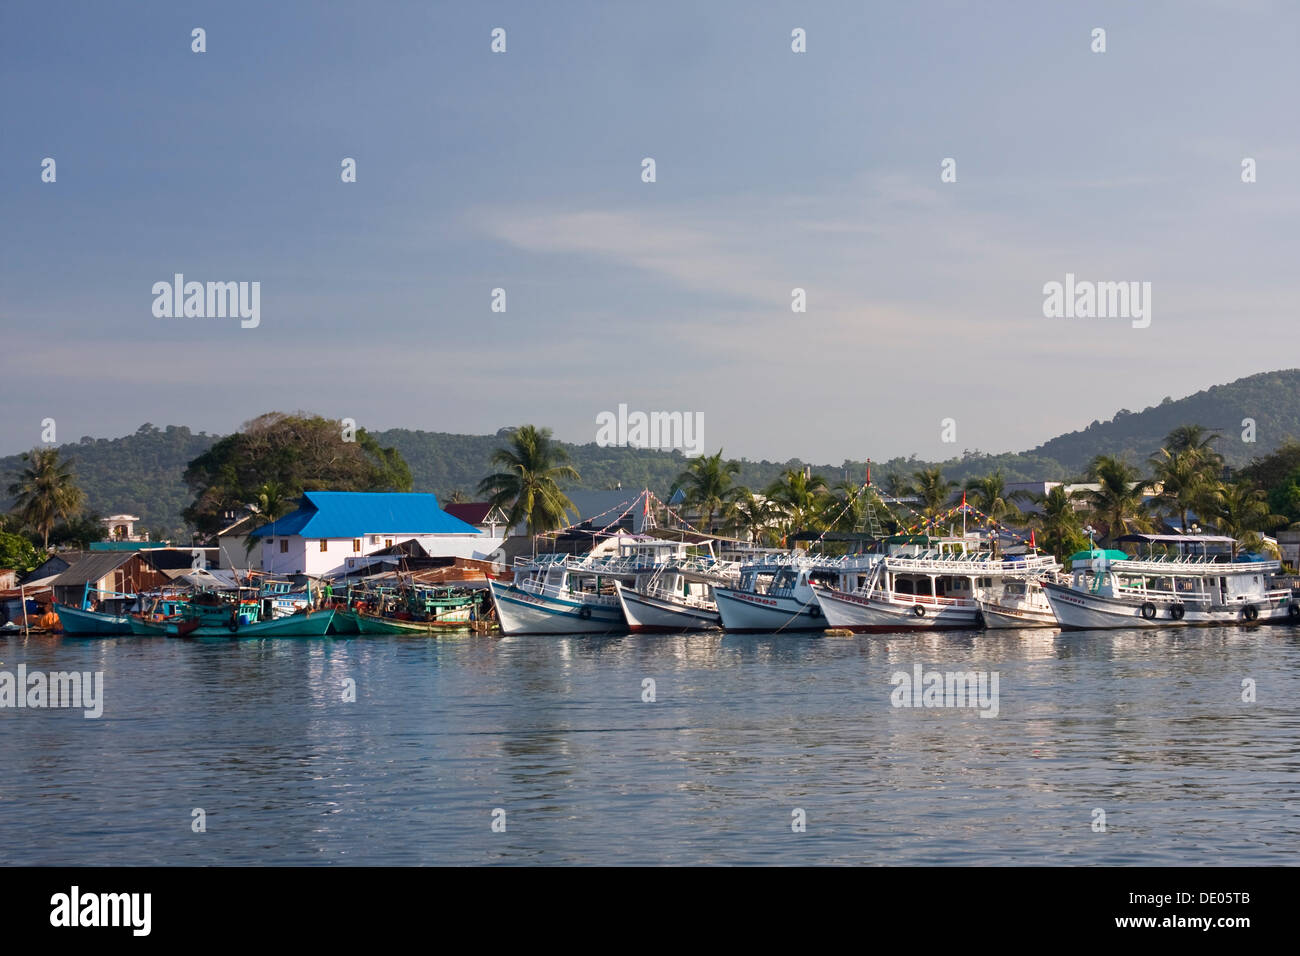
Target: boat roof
(1110, 554)
(1178, 538)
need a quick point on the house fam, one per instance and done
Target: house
(123, 571)
(331, 526)
(233, 544)
(122, 528)
(54, 565)
(8, 579)
(483, 515)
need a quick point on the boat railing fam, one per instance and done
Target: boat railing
(983, 566)
(1201, 568)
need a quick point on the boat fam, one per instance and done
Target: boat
(101, 614)
(929, 583)
(780, 593)
(239, 614)
(1181, 581)
(670, 602)
(1018, 603)
(568, 594)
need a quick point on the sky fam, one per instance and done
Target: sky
(523, 171)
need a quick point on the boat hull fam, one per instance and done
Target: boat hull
(80, 623)
(998, 616)
(858, 613)
(648, 612)
(297, 625)
(1080, 610)
(761, 613)
(374, 624)
(524, 612)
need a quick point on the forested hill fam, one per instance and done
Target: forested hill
(141, 473)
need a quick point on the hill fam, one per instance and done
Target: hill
(141, 473)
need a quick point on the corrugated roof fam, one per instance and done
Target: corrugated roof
(93, 568)
(351, 514)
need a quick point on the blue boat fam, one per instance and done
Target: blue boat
(86, 621)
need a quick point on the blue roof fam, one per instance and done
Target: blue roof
(351, 514)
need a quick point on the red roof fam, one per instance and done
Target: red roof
(471, 512)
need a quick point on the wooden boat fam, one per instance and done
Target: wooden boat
(213, 615)
(82, 622)
(378, 624)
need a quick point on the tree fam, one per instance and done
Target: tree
(285, 455)
(529, 487)
(1117, 504)
(1062, 532)
(1194, 438)
(18, 553)
(1186, 480)
(752, 515)
(707, 486)
(45, 491)
(799, 499)
(1240, 510)
(79, 531)
(933, 489)
(990, 496)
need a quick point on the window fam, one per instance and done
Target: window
(356, 545)
(284, 545)
(388, 542)
(324, 544)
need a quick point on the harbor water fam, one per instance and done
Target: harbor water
(1177, 746)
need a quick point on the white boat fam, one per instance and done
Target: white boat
(665, 607)
(781, 594)
(1018, 603)
(926, 583)
(1183, 580)
(564, 594)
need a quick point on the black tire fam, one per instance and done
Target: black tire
(918, 610)
(815, 611)
(232, 626)
(979, 619)
(1250, 612)
(1148, 610)
(584, 612)
(1293, 610)
(1177, 611)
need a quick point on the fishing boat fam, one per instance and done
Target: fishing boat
(101, 614)
(240, 615)
(567, 594)
(1020, 602)
(1181, 580)
(928, 583)
(780, 593)
(670, 601)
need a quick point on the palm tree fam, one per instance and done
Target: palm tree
(800, 499)
(272, 502)
(751, 514)
(849, 505)
(1186, 482)
(529, 486)
(990, 494)
(1241, 509)
(707, 486)
(1117, 503)
(1059, 522)
(1195, 438)
(45, 491)
(933, 489)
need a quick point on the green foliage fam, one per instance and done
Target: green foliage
(707, 485)
(17, 553)
(276, 457)
(528, 487)
(45, 491)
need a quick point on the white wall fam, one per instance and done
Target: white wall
(304, 555)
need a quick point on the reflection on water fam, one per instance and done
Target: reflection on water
(1148, 725)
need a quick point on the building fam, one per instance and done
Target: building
(331, 526)
(487, 517)
(125, 572)
(236, 548)
(122, 528)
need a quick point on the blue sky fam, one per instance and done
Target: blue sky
(522, 170)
